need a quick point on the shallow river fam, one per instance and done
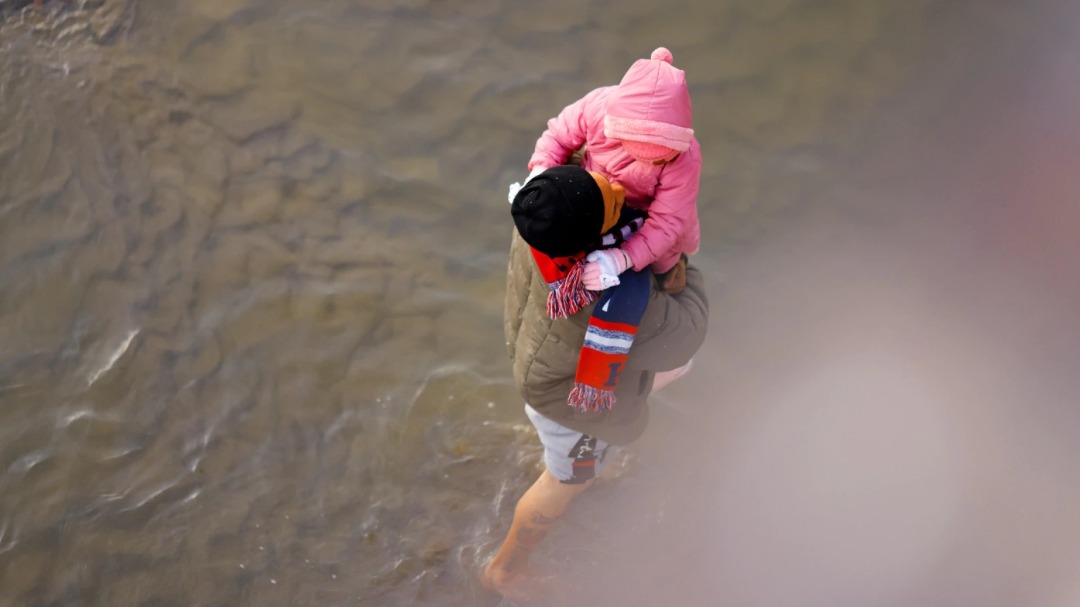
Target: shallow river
(252, 263)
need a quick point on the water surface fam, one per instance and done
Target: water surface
(251, 281)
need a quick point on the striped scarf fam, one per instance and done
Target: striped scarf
(613, 323)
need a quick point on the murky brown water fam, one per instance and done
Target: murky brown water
(251, 279)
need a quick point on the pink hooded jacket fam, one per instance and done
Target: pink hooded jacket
(651, 104)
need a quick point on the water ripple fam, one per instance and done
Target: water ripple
(117, 352)
(23, 465)
(7, 543)
(65, 419)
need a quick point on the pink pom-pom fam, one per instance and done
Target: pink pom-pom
(662, 54)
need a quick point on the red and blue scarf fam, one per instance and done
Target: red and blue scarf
(613, 323)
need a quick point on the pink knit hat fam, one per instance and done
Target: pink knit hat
(650, 110)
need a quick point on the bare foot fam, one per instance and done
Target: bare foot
(521, 586)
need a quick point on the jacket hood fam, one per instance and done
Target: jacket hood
(652, 104)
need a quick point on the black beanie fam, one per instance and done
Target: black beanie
(560, 212)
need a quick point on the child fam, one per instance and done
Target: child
(637, 135)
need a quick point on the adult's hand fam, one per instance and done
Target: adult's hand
(673, 281)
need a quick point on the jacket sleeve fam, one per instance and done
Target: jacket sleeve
(673, 328)
(672, 214)
(565, 133)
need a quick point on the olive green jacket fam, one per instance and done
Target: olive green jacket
(544, 352)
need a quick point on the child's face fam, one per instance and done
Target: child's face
(649, 153)
(661, 161)
(614, 197)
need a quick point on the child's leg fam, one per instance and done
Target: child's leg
(664, 378)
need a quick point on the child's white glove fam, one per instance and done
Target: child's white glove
(602, 268)
(514, 187)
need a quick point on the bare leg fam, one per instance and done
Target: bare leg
(664, 378)
(535, 514)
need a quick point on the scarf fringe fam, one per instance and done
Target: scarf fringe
(569, 295)
(591, 400)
